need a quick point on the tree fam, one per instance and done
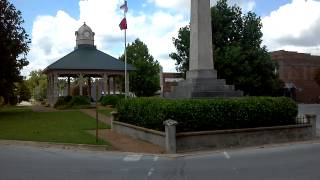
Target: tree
(23, 91)
(238, 55)
(13, 49)
(145, 81)
(37, 84)
(183, 48)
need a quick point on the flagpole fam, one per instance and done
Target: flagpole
(125, 62)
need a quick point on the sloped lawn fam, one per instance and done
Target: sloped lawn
(61, 127)
(106, 110)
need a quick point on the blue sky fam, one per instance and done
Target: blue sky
(33, 8)
(288, 24)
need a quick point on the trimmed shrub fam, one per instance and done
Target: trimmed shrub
(111, 99)
(72, 101)
(62, 101)
(202, 115)
(79, 101)
(1, 101)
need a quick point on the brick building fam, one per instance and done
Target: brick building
(167, 80)
(297, 70)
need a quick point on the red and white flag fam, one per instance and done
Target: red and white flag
(123, 24)
(124, 7)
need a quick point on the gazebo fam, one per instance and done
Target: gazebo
(83, 64)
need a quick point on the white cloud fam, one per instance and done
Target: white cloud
(184, 5)
(177, 5)
(294, 27)
(54, 36)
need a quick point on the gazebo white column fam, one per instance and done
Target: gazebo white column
(105, 83)
(55, 88)
(49, 89)
(109, 86)
(69, 89)
(114, 84)
(80, 81)
(89, 87)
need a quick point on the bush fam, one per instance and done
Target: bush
(111, 99)
(72, 101)
(79, 101)
(62, 101)
(202, 115)
(1, 101)
(13, 100)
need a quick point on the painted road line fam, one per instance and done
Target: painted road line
(226, 155)
(150, 172)
(132, 158)
(155, 158)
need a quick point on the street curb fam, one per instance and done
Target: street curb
(110, 150)
(79, 147)
(56, 145)
(266, 146)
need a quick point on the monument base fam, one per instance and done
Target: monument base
(202, 84)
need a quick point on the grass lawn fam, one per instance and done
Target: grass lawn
(106, 110)
(21, 123)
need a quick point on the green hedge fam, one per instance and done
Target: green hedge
(202, 115)
(66, 102)
(111, 99)
(1, 101)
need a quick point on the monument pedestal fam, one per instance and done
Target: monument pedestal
(203, 84)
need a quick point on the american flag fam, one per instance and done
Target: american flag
(124, 7)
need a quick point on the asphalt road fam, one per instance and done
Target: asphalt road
(291, 162)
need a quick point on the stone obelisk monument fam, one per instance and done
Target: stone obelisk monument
(201, 79)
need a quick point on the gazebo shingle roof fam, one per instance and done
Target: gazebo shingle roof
(87, 57)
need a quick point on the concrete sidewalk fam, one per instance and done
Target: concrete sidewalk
(121, 142)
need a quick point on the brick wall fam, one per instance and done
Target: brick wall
(299, 69)
(169, 80)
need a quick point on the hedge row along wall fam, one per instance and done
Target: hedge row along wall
(202, 115)
(111, 99)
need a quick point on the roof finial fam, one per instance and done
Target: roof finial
(84, 23)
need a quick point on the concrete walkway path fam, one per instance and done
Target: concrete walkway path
(121, 142)
(40, 108)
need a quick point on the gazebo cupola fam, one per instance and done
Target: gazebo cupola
(84, 35)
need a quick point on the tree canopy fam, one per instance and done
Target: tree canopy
(37, 84)
(13, 48)
(23, 91)
(145, 80)
(238, 56)
(182, 44)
